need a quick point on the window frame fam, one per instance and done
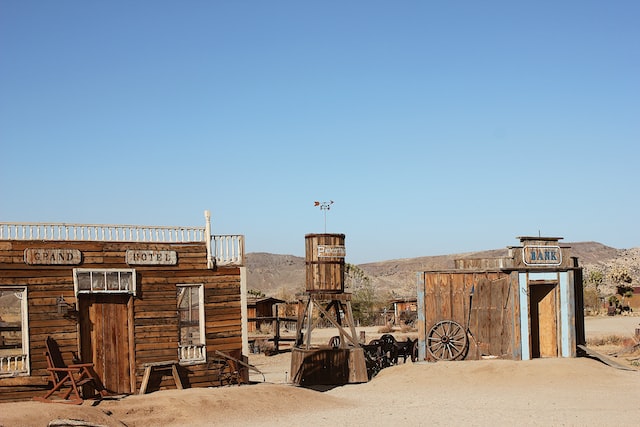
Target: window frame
(192, 353)
(24, 324)
(105, 271)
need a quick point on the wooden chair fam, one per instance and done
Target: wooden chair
(64, 376)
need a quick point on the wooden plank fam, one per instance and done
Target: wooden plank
(507, 317)
(431, 312)
(24, 381)
(548, 324)
(516, 342)
(474, 349)
(589, 352)
(223, 325)
(496, 318)
(160, 344)
(148, 336)
(459, 297)
(482, 298)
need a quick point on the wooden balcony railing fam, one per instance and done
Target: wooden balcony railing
(12, 365)
(225, 249)
(100, 232)
(192, 353)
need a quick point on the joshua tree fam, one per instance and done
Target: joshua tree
(621, 277)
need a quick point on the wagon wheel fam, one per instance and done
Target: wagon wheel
(447, 340)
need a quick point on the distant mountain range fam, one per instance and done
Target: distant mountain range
(282, 276)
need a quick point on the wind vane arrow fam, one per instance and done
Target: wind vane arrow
(324, 206)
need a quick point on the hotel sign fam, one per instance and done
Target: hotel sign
(33, 256)
(542, 255)
(149, 257)
(331, 251)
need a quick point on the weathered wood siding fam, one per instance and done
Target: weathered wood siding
(153, 313)
(317, 366)
(489, 312)
(324, 272)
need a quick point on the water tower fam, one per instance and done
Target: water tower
(324, 300)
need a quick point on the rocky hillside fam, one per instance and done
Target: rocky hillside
(282, 276)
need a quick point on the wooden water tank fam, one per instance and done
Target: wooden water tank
(325, 255)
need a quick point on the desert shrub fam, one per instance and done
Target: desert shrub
(263, 346)
(385, 329)
(607, 340)
(591, 300)
(407, 328)
(366, 302)
(266, 328)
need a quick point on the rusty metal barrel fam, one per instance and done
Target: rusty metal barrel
(324, 260)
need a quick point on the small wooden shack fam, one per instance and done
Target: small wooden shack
(526, 305)
(121, 297)
(262, 311)
(405, 310)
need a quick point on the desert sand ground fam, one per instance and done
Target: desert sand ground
(541, 392)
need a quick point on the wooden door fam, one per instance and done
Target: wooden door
(105, 341)
(544, 320)
(489, 319)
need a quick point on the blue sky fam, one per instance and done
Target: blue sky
(436, 127)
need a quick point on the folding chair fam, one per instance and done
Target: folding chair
(65, 376)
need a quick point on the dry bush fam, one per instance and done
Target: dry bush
(266, 328)
(263, 346)
(385, 329)
(407, 328)
(591, 301)
(607, 340)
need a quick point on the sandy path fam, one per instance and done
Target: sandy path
(541, 392)
(611, 325)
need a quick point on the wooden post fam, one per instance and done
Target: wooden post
(349, 315)
(309, 322)
(276, 328)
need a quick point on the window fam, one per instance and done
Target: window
(190, 303)
(14, 339)
(88, 281)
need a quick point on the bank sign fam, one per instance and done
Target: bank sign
(542, 255)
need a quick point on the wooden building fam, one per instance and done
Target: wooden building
(526, 305)
(634, 301)
(262, 311)
(405, 311)
(627, 301)
(122, 297)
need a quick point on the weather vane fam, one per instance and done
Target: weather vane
(324, 206)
